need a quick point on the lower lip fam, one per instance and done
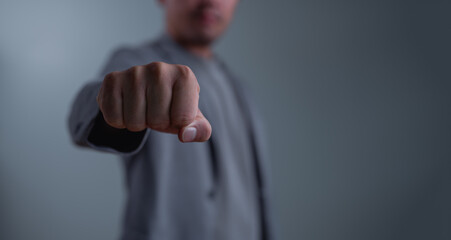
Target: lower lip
(206, 19)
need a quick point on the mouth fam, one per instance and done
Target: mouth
(206, 16)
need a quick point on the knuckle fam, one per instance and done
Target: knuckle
(155, 70)
(110, 77)
(155, 64)
(134, 80)
(187, 77)
(110, 81)
(132, 71)
(184, 71)
(113, 76)
(154, 67)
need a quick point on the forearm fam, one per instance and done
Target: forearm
(121, 140)
(83, 113)
(88, 128)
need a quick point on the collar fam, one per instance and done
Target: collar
(169, 45)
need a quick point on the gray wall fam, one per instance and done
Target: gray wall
(356, 95)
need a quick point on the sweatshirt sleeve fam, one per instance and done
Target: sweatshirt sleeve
(87, 127)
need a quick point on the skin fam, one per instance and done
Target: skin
(161, 96)
(196, 24)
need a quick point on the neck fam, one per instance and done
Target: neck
(201, 50)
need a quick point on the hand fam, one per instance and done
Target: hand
(160, 96)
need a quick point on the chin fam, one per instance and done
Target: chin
(206, 36)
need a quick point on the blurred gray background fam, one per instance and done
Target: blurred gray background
(356, 95)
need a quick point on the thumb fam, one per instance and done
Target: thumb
(197, 131)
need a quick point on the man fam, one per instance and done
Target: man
(210, 182)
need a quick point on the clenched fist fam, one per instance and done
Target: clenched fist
(160, 96)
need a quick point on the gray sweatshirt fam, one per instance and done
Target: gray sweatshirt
(212, 190)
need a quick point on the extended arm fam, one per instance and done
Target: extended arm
(115, 113)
